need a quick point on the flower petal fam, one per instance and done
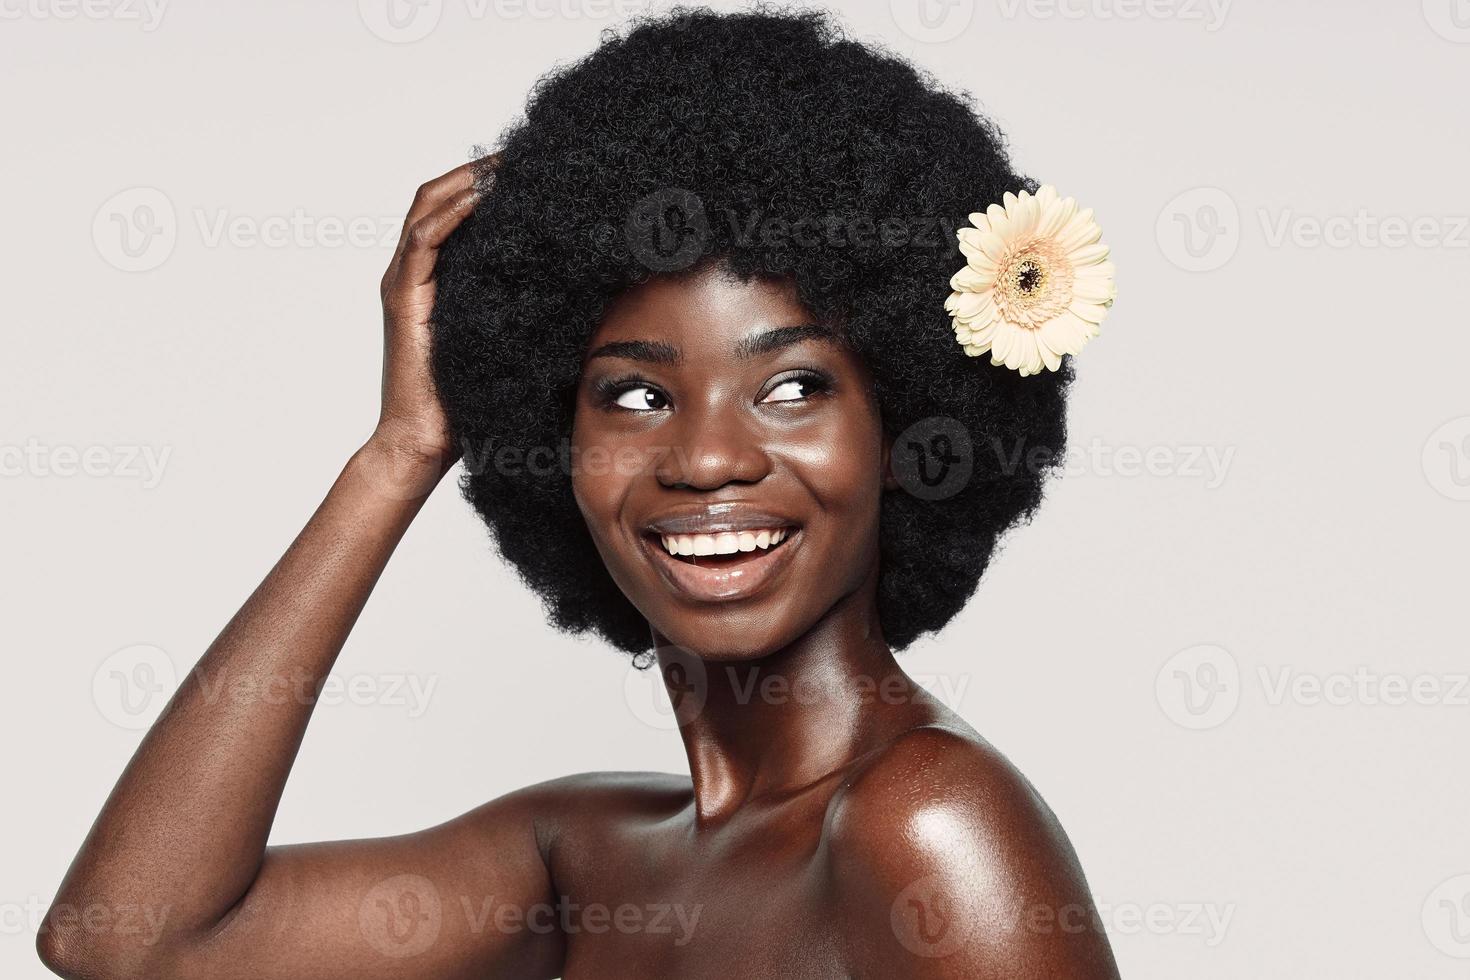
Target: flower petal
(1000, 344)
(970, 305)
(1090, 312)
(1000, 222)
(1052, 359)
(976, 256)
(1080, 230)
(1055, 217)
(985, 335)
(1020, 349)
(1033, 361)
(1064, 334)
(970, 279)
(1023, 216)
(1087, 255)
(994, 246)
(1093, 289)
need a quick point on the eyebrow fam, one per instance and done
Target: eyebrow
(765, 342)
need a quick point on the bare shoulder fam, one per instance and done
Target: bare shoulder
(942, 776)
(588, 801)
(618, 790)
(947, 862)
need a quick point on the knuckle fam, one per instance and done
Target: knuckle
(418, 236)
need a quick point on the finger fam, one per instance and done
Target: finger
(431, 194)
(421, 249)
(442, 188)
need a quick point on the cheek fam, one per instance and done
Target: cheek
(595, 497)
(604, 471)
(842, 464)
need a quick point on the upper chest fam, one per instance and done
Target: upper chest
(753, 898)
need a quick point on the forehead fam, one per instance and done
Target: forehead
(704, 311)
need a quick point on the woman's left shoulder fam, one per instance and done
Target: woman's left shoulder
(940, 839)
(942, 786)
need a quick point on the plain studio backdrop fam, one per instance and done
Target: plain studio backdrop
(1230, 651)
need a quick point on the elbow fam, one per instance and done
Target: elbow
(77, 948)
(63, 955)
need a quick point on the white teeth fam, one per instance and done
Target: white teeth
(724, 543)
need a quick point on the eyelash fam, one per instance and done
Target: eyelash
(606, 391)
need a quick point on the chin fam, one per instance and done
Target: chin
(726, 639)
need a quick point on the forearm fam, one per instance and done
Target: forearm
(183, 832)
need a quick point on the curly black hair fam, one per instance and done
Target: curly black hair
(771, 142)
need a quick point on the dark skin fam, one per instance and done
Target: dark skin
(839, 821)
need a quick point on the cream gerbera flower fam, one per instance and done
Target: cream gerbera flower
(1036, 283)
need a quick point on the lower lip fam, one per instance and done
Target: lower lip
(708, 583)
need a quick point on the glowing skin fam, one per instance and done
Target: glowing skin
(752, 418)
(837, 821)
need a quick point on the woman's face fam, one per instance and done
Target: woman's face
(713, 416)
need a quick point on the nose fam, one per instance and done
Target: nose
(711, 445)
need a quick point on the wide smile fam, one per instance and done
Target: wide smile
(723, 567)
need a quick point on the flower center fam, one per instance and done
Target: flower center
(1034, 285)
(1029, 277)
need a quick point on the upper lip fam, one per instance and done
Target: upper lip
(716, 518)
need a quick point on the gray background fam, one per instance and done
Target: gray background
(1230, 651)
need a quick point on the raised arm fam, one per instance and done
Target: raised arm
(180, 844)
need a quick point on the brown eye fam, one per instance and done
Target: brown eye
(641, 398)
(795, 389)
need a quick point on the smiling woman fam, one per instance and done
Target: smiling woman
(820, 164)
(808, 471)
(779, 443)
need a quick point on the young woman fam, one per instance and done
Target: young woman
(713, 312)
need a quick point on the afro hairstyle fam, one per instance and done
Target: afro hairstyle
(770, 141)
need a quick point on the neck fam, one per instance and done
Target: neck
(774, 725)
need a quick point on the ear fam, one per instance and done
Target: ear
(890, 481)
